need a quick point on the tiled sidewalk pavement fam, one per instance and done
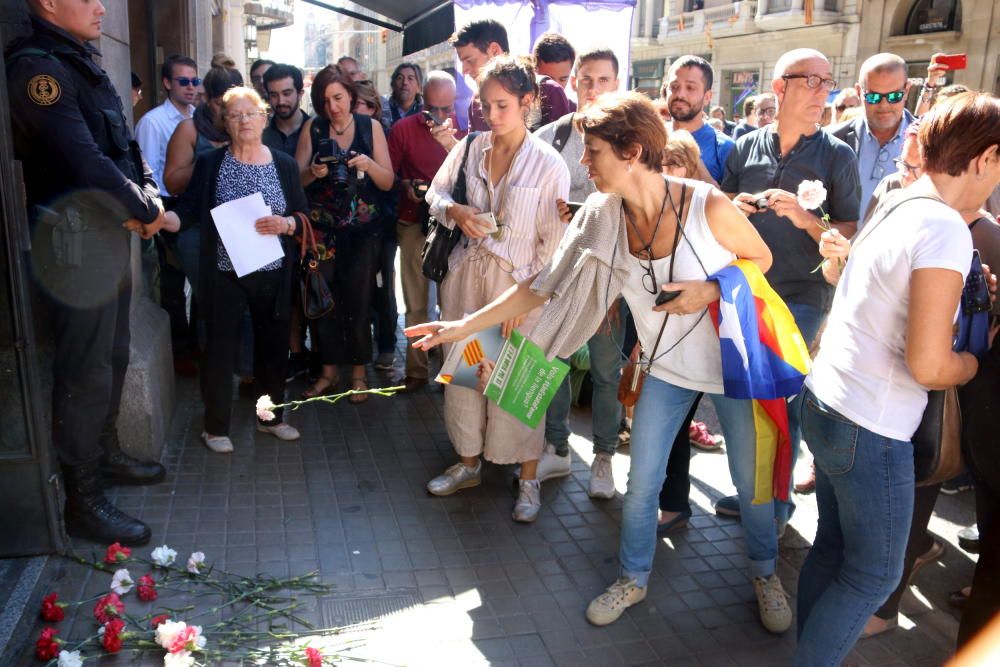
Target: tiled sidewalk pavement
(461, 583)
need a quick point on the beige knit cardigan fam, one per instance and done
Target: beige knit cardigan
(586, 274)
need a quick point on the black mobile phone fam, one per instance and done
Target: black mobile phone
(574, 206)
(976, 294)
(325, 150)
(429, 117)
(666, 296)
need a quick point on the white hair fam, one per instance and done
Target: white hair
(439, 78)
(795, 56)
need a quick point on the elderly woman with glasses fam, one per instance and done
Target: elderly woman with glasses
(245, 167)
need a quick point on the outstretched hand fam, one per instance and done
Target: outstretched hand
(435, 333)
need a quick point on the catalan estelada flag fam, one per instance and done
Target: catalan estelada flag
(764, 358)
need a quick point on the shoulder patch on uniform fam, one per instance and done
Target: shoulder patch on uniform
(44, 90)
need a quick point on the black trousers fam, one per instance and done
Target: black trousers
(386, 312)
(980, 401)
(231, 296)
(89, 365)
(677, 484)
(183, 333)
(924, 498)
(344, 335)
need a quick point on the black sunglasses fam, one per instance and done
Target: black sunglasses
(185, 82)
(895, 97)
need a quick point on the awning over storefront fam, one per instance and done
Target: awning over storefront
(422, 22)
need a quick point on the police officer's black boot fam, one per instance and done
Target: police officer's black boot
(118, 468)
(91, 515)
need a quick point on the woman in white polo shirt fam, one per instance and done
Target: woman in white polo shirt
(887, 341)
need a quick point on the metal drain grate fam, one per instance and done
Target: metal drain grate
(340, 612)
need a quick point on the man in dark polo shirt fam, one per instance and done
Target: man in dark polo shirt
(284, 93)
(480, 41)
(418, 148)
(766, 167)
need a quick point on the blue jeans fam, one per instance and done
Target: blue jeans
(864, 491)
(605, 370)
(659, 414)
(808, 319)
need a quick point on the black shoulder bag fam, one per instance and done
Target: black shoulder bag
(440, 240)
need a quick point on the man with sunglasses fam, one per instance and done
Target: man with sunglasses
(877, 136)
(763, 174)
(179, 77)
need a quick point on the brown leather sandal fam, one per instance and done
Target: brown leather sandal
(318, 389)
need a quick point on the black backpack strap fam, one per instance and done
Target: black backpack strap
(564, 129)
(365, 133)
(458, 192)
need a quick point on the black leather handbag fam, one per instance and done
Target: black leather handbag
(317, 300)
(440, 239)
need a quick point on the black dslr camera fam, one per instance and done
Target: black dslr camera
(335, 158)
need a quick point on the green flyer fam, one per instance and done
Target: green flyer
(524, 381)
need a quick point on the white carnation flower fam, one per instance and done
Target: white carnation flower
(70, 659)
(164, 556)
(811, 194)
(121, 582)
(196, 563)
(265, 408)
(180, 659)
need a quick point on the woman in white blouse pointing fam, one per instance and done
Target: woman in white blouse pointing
(518, 179)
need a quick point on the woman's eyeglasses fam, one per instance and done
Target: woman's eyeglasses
(370, 105)
(895, 97)
(240, 117)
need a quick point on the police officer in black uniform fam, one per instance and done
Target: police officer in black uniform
(87, 187)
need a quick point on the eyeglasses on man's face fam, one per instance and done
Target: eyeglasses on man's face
(185, 81)
(813, 81)
(905, 168)
(895, 97)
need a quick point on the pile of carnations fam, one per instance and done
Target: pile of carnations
(183, 637)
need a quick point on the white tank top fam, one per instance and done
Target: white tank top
(694, 360)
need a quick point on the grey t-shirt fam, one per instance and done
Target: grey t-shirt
(580, 187)
(756, 164)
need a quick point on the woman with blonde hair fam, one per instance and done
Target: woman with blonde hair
(245, 167)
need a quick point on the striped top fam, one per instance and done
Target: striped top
(531, 228)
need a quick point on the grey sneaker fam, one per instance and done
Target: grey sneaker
(607, 607)
(529, 501)
(455, 478)
(602, 479)
(220, 444)
(772, 603)
(281, 431)
(550, 465)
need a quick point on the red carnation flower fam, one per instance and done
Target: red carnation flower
(146, 588)
(112, 639)
(162, 618)
(52, 611)
(314, 657)
(47, 646)
(108, 607)
(116, 553)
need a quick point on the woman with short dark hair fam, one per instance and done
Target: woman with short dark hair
(887, 341)
(344, 161)
(243, 168)
(639, 229)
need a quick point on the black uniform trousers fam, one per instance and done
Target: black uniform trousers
(231, 297)
(89, 365)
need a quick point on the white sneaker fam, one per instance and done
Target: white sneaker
(220, 444)
(551, 465)
(607, 607)
(455, 478)
(529, 501)
(280, 431)
(772, 603)
(602, 479)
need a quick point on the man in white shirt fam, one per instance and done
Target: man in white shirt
(179, 77)
(596, 72)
